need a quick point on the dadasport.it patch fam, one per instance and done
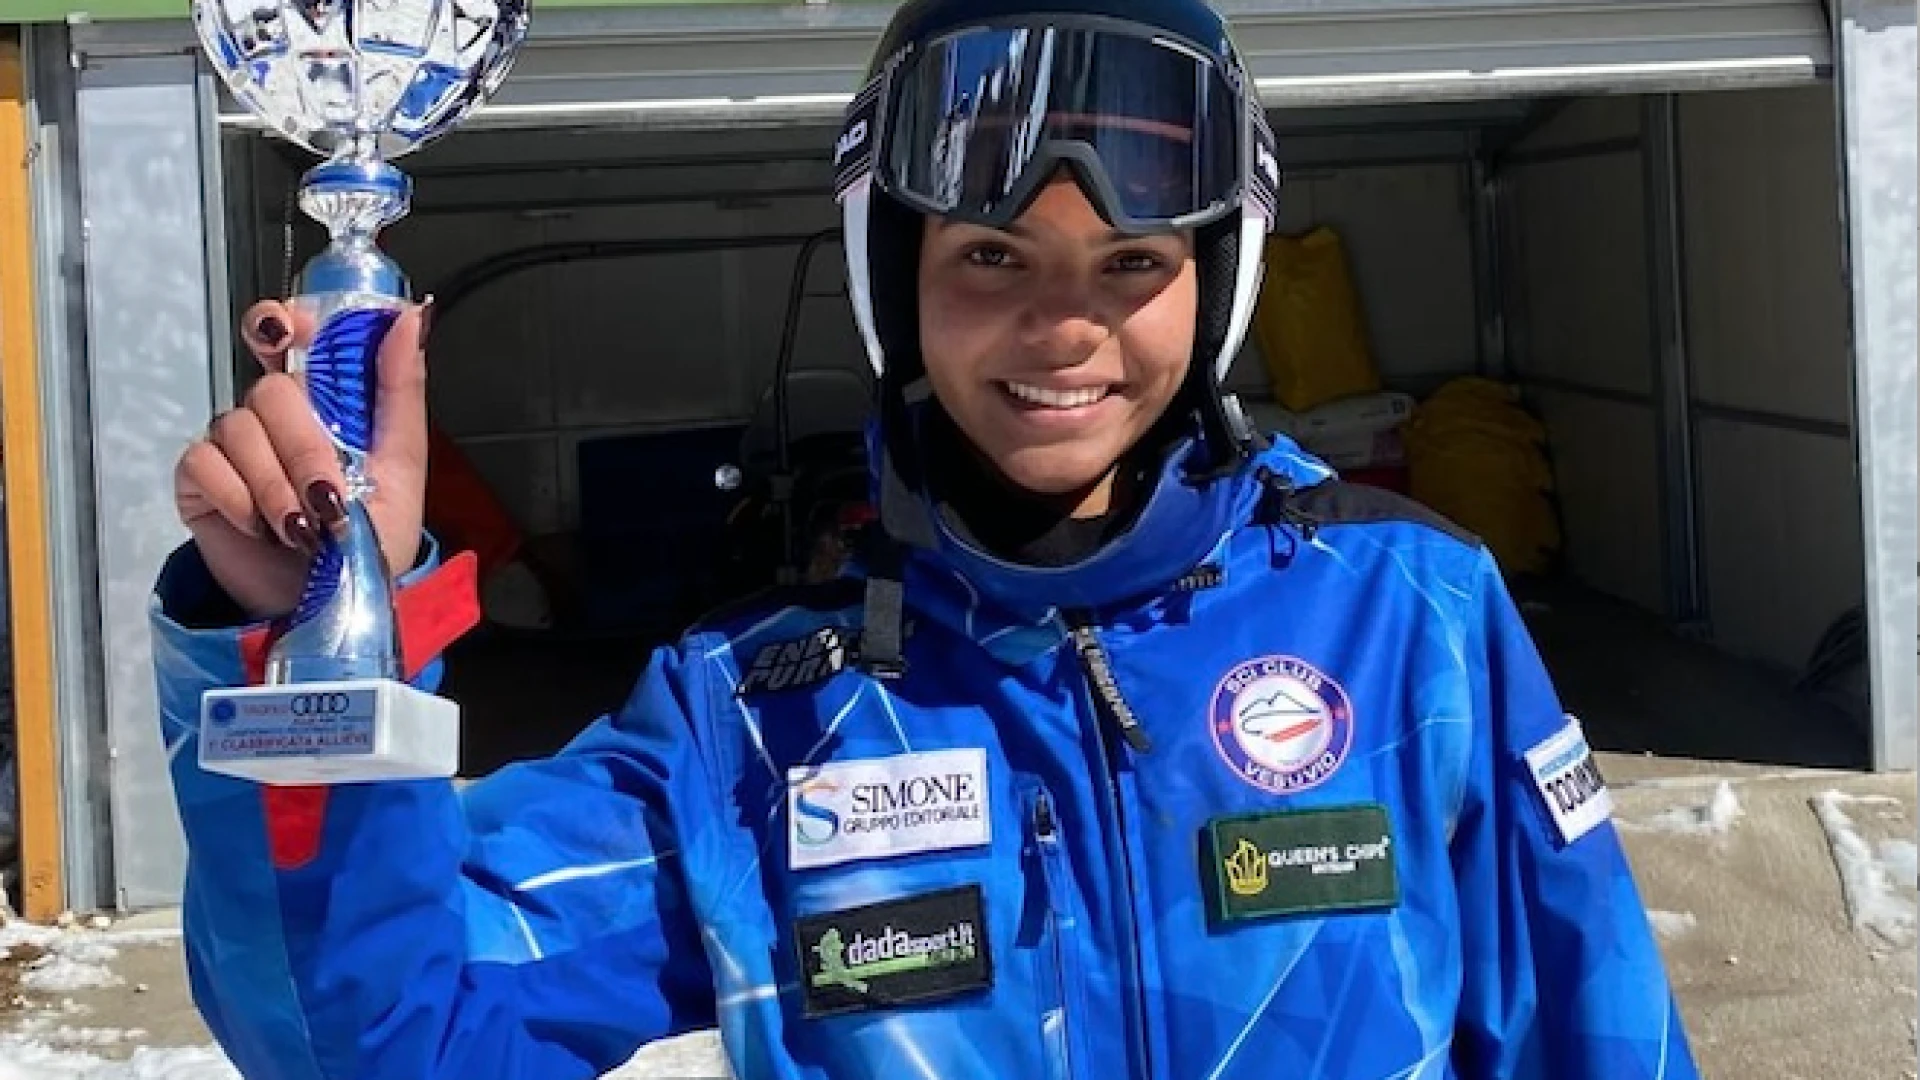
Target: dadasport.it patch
(900, 952)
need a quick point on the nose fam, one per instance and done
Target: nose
(1062, 324)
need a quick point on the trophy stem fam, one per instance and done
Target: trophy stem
(344, 627)
(354, 199)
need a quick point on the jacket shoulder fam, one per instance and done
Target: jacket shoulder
(1338, 502)
(828, 600)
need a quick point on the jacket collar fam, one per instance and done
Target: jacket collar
(1184, 524)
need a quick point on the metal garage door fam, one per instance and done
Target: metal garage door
(684, 65)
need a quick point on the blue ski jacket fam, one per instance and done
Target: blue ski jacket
(1274, 786)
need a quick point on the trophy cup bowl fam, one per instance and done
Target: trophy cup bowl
(360, 82)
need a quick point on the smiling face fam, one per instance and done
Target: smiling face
(1056, 343)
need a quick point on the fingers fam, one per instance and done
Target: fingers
(265, 581)
(207, 486)
(304, 454)
(250, 453)
(271, 327)
(400, 406)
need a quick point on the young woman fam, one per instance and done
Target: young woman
(1135, 745)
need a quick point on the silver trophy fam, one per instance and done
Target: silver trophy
(361, 82)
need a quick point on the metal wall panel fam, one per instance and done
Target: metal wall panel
(1781, 534)
(1766, 293)
(1577, 293)
(1582, 269)
(1878, 120)
(1766, 325)
(67, 446)
(151, 380)
(1607, 474)
(533, 363)
(1405, 230)
(681, 66)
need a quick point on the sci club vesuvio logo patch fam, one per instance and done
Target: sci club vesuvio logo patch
(1281, 724)
(877, 808)
(899, 952)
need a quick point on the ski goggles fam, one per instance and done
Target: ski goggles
(970, 125)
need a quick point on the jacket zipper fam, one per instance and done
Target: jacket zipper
(1110, 706)
(1056, 1030)
(1093, 657)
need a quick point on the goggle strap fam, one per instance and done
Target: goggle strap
(853, 151)
(1263, 167)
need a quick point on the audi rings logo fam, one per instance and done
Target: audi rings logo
(317, 704)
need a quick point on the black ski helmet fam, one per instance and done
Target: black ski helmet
(969, 105)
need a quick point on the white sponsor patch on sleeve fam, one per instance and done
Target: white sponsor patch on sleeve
(877, 808)
(1569, 780)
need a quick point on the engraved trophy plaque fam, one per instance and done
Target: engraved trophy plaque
(360, 82)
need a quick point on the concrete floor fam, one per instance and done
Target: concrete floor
(1640, 688)
(1773, 979)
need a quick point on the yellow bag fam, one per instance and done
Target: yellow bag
(1478, 458)
(1309, 324)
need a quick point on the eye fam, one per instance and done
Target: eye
(1137, 262)
(988, 255)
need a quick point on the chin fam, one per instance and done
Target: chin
(1055, 470)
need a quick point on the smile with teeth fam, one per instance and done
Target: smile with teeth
(1057, 399)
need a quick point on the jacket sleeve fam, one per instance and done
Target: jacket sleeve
(1563, 977)
(536, 924)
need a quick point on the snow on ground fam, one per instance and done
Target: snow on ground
(1715, 817)
(49, 1041)
(1901, 860)
(697, 1056)
(1868, 880)
(73, 956)
(1671, 924)
(24, 1058)
(49, 1037)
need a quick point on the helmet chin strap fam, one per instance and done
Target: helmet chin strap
(1230, 437)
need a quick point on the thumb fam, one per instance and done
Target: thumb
(271, 327)
(400, 390)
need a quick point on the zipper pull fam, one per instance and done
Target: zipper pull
(1043, 827)
(1100, 672)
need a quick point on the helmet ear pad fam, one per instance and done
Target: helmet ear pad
(894, 234)
(1216, 261)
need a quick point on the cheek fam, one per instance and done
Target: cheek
(947, 349)
(958, 336)
(1158, 340)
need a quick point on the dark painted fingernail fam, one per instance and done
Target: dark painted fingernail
(302, 533)
(326, 504)
(270, 330)
(426, 319)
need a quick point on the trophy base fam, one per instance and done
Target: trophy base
(341, 732)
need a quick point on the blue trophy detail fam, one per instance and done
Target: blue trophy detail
(360, 81)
